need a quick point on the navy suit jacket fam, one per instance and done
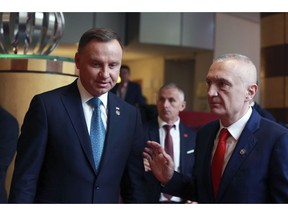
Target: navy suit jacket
(9, 132)
(257, 171)
(263, 112)
(133, 95)
(54, 163)
(187, 146)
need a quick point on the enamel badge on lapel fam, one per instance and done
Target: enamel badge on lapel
(117, 111)
(242, 151)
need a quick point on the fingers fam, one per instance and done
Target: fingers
(146, 155)
(150, 154)
(155, 148)
(154, 145)
(146, 165)
(154, 154)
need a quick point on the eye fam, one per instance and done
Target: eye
(172, 100)
(208, 82)
(96, 64)
(113, 65)
(223, 84)
(161, 100)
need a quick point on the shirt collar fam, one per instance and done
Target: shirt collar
(236, 128)
(162, 123)
(86, 96)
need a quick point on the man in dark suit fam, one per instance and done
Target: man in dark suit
(127, 90)
(255, 163)
(54, 162)
(170, 102)
(9, 132)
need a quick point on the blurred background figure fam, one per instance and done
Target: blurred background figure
(9, 132)
(170, 102)
(129, 91)
(263, 112)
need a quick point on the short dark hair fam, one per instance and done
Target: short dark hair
(125, 67)
(99, 34)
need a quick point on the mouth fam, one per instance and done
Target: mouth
(102, 84)
(214, 105)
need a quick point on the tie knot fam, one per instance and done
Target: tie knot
(95, 102)
(224, 134)
(168, 127)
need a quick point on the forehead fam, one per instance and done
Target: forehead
(124, 71)
(169, 92)
(111, 46)
(225, 70)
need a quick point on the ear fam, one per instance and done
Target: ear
(76, 59)
(183, 106)
(251, 92)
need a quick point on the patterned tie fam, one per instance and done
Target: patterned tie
(218, 159)
(97, 131)
(169, 149)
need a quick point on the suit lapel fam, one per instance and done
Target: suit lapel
(72, 102)
(115, 120)
(245, 145)
(183, 148)
(154, 132)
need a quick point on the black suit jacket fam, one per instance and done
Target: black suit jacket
(187, 145)
(9, 131)
(54, 163)
(133, 95)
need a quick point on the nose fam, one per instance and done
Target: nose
(212, 91)
(166, 103)
(104, 73)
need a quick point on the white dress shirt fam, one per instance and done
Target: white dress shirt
(88, 110)
(235, 131)
(175, 133)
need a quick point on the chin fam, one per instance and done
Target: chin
(216, 111)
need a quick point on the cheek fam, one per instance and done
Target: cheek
(114, 76)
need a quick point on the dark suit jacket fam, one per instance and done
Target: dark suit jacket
(54, 163)
(187, 145)
(263, 112)
(9, 131)
(257, 171)
(133, 95)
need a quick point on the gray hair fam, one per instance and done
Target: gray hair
(173, 85)
(247, 62)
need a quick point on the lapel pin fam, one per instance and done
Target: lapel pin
(242, 151)
(190, 151)
(185, 135)
(117, 111)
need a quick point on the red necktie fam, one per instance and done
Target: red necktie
(168, 148)
(218, 159)
(169, 141)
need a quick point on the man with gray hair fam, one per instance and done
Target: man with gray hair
(248, 163)
(170, 102)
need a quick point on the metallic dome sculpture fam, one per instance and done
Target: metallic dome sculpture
(35, 33)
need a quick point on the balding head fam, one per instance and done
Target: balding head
(242, 65)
